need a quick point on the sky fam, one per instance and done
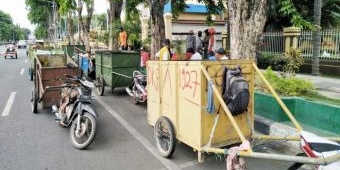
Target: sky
(18, 12)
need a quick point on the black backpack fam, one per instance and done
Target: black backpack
(235, 91)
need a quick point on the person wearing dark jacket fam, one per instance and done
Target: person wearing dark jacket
(191, 40)
(205, 43)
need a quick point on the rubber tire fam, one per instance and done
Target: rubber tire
(133, 100)
(92, 135)
(30, 74)
(34, 101)
(172, 137)
(101, 86)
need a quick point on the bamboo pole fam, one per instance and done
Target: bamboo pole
(288, 158)
(225, 108)
(278, 99)
(290, 138)
(267, 137)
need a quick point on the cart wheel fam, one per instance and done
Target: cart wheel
(165, 138)
(100, 85)
(112, 89)
(30, 74)
(34, 101)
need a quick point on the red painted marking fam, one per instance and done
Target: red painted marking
(195, 83)
(167, 77)
(153, 78)
(189, 81)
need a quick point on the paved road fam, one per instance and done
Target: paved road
(124, 140)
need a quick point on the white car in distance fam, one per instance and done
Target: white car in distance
(22, 43)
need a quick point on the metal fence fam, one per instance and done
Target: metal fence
(273, 43)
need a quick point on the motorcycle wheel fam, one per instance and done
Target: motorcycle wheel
(165, 138)
(34, 101)
(30, 73)
(88, 131)
(134, 99)
(100, 85)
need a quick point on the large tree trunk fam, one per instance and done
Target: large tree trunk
(247, 19)
(316, 37)
(157, 26)
(69, 33)
(87, 25)
(114, 13)
(80, 20)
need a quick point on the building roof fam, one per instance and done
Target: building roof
(190, 8)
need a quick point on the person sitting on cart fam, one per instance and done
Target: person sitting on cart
(144, 57)
(198, 54)
(190, 51)
(122, 39)
(164, 53)
(221, 54)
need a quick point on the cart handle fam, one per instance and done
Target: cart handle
(288, 158)
(291, 138)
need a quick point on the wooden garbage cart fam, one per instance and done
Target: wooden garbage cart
(33, 51)
(114, 68)
(177, 95)
(50, 73)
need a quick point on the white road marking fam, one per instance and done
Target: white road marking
(22, 71)
(147, 145)
(186, 164)
(26, 61)
(189, 164)
(9, 104)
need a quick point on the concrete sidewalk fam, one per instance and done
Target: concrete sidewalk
(329, 87)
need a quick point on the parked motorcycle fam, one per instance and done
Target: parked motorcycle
(77, 111)
(137, 90)
(314, 146)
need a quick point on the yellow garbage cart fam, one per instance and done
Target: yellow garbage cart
(178, 94)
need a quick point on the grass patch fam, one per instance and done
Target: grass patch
(292, 86)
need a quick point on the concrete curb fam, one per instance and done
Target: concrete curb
(269, 127)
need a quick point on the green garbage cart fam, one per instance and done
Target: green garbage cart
(114, 68)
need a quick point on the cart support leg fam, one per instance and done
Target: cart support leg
(200, 157)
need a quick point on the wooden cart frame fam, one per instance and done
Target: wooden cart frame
(48, 82)
(176, 108)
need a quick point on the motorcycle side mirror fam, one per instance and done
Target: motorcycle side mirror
(70, 65)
